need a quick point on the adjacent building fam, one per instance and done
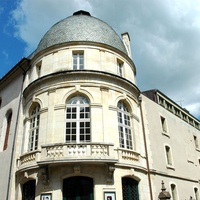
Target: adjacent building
(76, 126)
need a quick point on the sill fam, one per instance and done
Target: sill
(170, 167)
(166, 134)
(197, 149)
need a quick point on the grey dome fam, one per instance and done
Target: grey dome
(81, 27)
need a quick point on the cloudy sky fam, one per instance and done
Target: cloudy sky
(165, 38)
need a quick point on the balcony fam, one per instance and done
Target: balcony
(69, 153)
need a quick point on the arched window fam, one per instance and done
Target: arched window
(28, 190)
(174, 192)
(8, 123)
(196, 193)
(34, 127)
(130, 189)
(124, 126)
(78, 120)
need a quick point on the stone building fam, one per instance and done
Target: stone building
(76, 126)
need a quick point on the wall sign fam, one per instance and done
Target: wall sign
(46, 196)
(109, 195)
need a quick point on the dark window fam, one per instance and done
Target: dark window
(130, 189)
(78, 187)
(8, 120)
(28, 190)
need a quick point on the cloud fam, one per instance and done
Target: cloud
(165, 38)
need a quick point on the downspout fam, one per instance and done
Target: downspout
(145, 147)
(14, 138)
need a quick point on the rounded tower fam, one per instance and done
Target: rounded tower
(81, 135)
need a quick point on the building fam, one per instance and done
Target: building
(77, 126)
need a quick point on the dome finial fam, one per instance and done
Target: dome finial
(82, 12)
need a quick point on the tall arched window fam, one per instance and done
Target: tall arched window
(124, 126)
(34, 127)
(78, 120)
(8, 121)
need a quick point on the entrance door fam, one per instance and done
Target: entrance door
(130, 189)
(78, 188)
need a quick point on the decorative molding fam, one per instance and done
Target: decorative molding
(111, 169)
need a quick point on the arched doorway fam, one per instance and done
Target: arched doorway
(78, 188)
(28, 190)
(130, 189)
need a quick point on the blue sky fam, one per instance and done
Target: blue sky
(11, 47)
(165, 38)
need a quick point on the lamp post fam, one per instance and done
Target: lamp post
(164, 194)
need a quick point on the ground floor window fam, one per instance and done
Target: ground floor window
(130, 189)
(28, 190)
(78, 188)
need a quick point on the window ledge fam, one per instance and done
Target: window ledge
(170, 167)
(165, 134)
(197, 149)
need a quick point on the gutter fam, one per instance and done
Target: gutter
(145, 146)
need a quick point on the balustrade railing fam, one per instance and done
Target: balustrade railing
(68, 152)
(85, 152)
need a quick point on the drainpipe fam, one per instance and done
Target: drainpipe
(145, 146)
(14, 138)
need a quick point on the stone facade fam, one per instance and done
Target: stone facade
(78, 117)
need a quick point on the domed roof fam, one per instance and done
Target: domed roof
(81, 27)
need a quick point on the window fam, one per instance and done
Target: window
(78, 188)
(8, 123)
(130, 189)
(120, 68)
(163, 124)
(196, 193)
(168, 155)
(124, 126)
(174, 192)
(78, 61)
(28, 190)
(196, 142)
(78, 120)
(0, 102)
(34, 127)
(38, 68)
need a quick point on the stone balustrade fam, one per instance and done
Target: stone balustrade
(77, 152)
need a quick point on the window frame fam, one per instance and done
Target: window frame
(78, 56)
(124, 126)
(196, 143)
(7, 130)
(78, 120)
(196, 193)
(34, 127)
(174, 192)
(169, 158)
(120, 68)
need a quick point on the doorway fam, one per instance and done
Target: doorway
(78, 188)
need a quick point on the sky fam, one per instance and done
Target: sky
(165, 38)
